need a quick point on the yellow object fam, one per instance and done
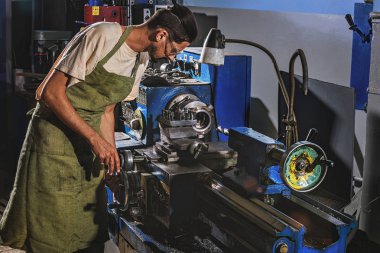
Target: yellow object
(95, 10)
(284, 248)
(298, 182)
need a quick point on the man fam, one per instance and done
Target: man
(58, 202)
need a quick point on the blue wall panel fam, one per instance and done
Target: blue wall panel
(361, 55)
(308, 6)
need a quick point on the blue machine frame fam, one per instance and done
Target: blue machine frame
(228, 88)
(152, 100)
(231, 85)
(230, 94)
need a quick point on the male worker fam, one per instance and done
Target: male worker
(58, 203)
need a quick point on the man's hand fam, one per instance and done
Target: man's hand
(106, 153)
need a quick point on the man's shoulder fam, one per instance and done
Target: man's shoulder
(107, 29)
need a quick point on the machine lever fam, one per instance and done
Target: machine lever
(350, 21)
(312, 133)
(328, 163)
(319, 160)
(365, 38)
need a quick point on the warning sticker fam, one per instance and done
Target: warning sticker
(95, 10)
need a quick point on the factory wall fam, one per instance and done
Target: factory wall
(326, 40)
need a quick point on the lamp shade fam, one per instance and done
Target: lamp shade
(213, 48)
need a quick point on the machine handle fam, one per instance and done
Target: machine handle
(354, 27)
(312, 133)
(350, 21)
(328, 163)
(319, 160)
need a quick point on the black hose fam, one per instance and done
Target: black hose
(265, 50)
(305, 75)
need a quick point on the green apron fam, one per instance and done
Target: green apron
(58, 200)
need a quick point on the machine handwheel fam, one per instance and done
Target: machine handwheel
(303, 166)
(130, 181)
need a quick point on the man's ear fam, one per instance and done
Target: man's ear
(161, 34)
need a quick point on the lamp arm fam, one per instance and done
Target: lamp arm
(266, 51)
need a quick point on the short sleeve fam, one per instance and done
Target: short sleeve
(84, 51)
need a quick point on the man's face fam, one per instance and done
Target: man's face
(166, 48)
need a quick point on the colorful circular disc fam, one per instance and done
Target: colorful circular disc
(301, 169)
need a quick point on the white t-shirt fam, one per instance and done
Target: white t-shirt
(91, 45)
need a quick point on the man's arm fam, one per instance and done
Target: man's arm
(54, 96)
(107, 124)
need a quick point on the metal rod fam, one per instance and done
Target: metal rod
(258, 212)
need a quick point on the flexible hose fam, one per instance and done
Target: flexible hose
(291, 115)
(265, 50)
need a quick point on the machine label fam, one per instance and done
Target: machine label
(95, 10)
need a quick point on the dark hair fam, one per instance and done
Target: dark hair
(178, 20)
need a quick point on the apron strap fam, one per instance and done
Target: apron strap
(122, 39)
(137, 63)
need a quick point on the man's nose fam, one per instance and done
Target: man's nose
(171, 57)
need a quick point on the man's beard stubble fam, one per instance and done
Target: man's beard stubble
(152, 52)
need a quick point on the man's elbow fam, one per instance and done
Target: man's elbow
(55, 89)
(49, 96)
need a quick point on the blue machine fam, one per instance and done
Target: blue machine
(231, 84)
(151, 102)
(274, 179)
(226, 88)
(250, 207)
(183, 190)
